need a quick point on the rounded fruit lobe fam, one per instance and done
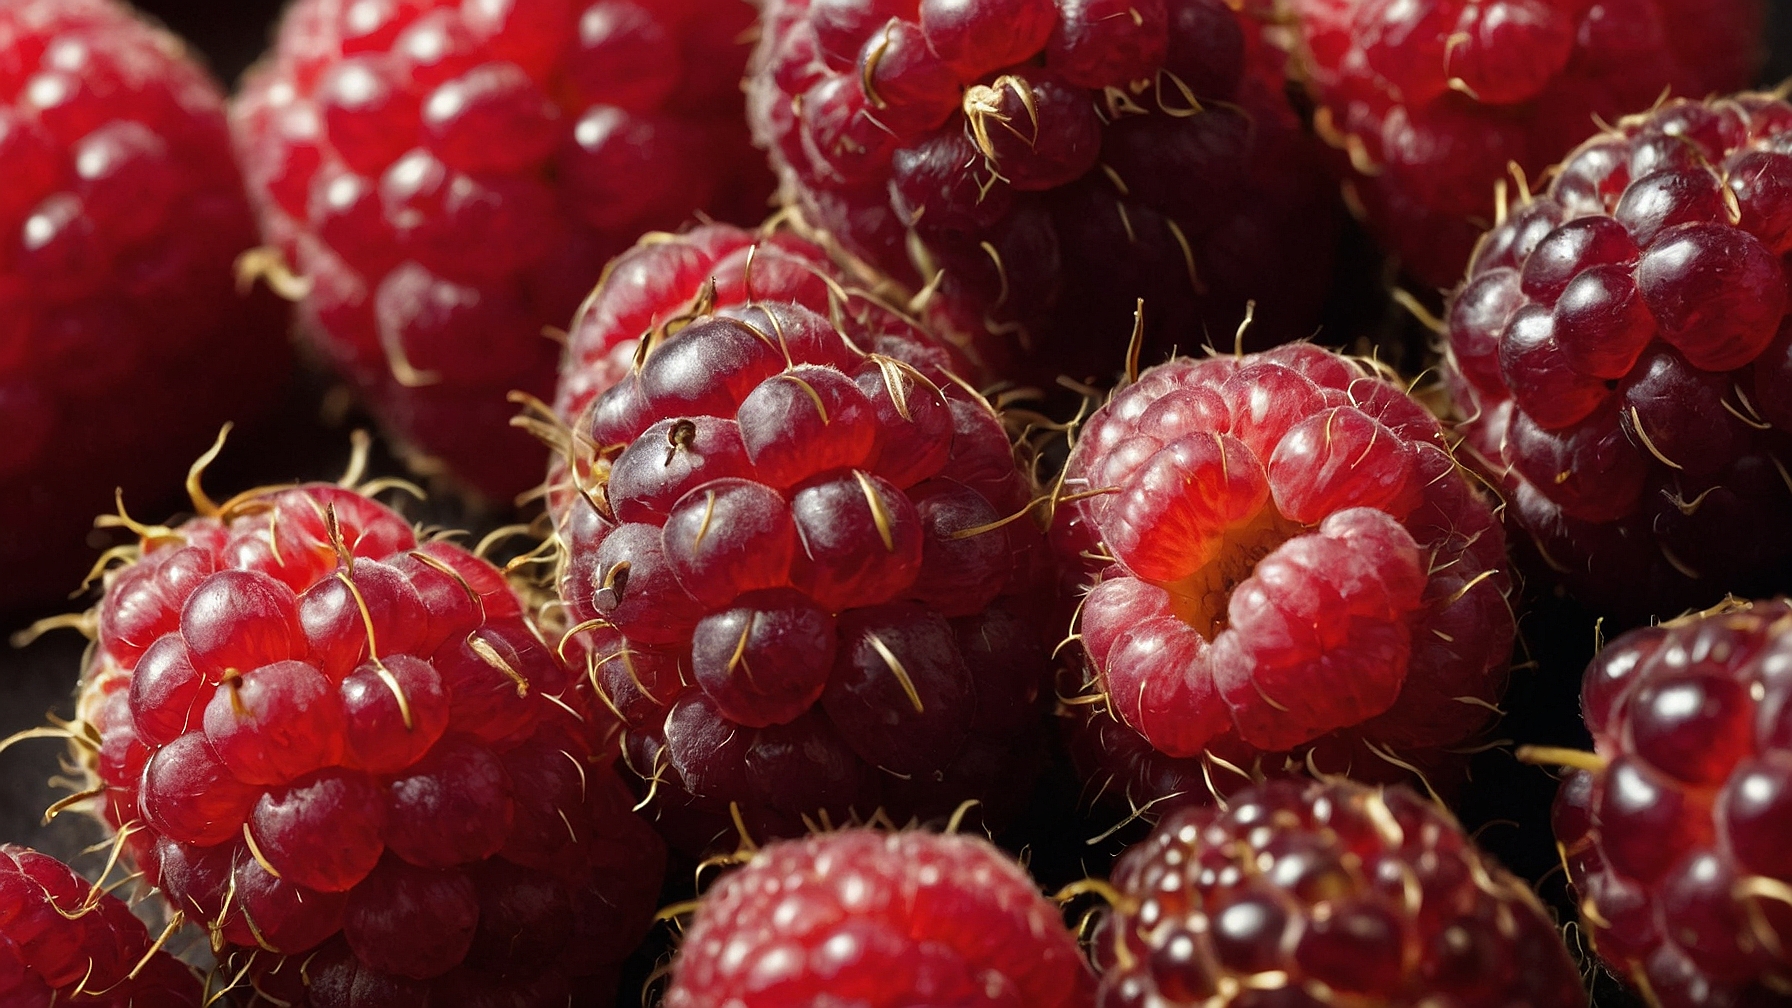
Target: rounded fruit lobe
(124, 342)
(797, 560)
(323, 737)
(1330, 886)
(62, 938)
(1616, 353)
(1426, 104)
(1282, 564)
(440, 180)
(881, 920)
(1673, 831)
(1027, 170)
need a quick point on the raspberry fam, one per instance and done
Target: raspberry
(1281, 557)
(1325, 893)
(326, 739)
(447, 178)
(878, 920)
(669, 278)
(122, 343)
(1429, 102)
(63, 941)
(786, 564)
(1621, 354)
(1676, 837)
(1033, 167)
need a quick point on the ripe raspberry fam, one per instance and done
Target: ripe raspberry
(63, 941)
(1037, 165)
(1676, 841)
(1428, 102)
(447, 178)
(1281, 557)
(1325, 893)
(1621, 354)
(670, 279)
(327, 739)
(123, 345)
(878, 920)
(785, 561)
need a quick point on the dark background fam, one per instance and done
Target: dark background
(1507, 804)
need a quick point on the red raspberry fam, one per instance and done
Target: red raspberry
(879, 920)
(1034, 166)
(1430, 101)
(327, 739)
(1677, 839)
(123, 345)
(785, 560)
(1282, 557)
(447, 178)
(1325, 893)
(1621, 352)
(63, 941)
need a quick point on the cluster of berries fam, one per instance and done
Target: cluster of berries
(826, 575)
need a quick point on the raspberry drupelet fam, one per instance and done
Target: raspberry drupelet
(797, 559)
(344, 753)
(123, 343)
(1621, 357)
(1428, 103)
(1281, 562)
(442, 179)
(64, 941)
(1675, 834)
(1029, 168)
(879, 920)
(1325, 893)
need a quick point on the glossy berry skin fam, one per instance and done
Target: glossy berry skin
(1031, 168)
(1428, 103)
(445, 179)
(879, 920)
(1324, 893)
(785, 563)
(1620, 355)
(665, 277)
(335, 744)
(123, 342)
(1676, 845)
(64, 941)
(1279, 561)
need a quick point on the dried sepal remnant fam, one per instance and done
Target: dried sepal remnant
(1277, 556)
(884, 918)
(448, 180)
(1321, 893)
(1674, 830)
(794, 547)
(1025, 170)
(344, 752)
(1620, 357)
(1432, 106)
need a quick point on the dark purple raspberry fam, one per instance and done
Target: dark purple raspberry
(786, 561)
(444, 179)
(65, 941)
(879, 920)
(1621, 357)
(123, 342)
(1430, 101)
(1675, 834)
(345, 754)
(1278, 562)
(1030, 168)
(1325, 893)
